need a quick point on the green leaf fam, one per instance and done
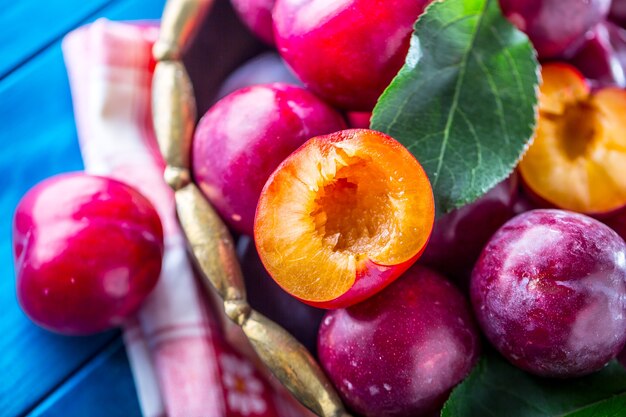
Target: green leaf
(496, 388)
(464, 103)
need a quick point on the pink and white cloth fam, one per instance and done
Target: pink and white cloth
(181, 362)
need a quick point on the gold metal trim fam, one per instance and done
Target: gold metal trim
(179, 23)
(174, 114)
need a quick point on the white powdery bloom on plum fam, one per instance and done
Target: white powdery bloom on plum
(549, 293)
(244, 392)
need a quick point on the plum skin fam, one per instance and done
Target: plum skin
(245, 136)
(88, 250)
(459, 236)
(400, 352)
(549, 292)
(602, 57)
(257, 15)
(345, 51)
(555, 27)
(617, 13)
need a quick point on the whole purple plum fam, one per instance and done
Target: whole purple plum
(400, 352)
(549, 291)
(602, 57)
(346, 51)
(459, 236)
(555, 27)
(257, 15)
(245, 136)
(87, 252)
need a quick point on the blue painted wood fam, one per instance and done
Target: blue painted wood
(22, 36)
(28, 26)
(103, 388)
(37, 140)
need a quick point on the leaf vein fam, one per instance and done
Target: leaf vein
(494, 91)
(512, 62)
(457, 92)
(479, 155)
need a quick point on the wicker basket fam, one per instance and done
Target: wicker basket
(174, 111)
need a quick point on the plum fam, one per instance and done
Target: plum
(555, 27)
(459, 236)
(265, 68)
(245, 136)
(617, 13)
(602, 57)
(577, 157)
(345, 51)
(400, 352)
(549, 292)
(88, 251)
(359, 119)
(343, 216)
(257, 15)
(299, 319)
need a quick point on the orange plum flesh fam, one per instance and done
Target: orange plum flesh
(343, 217)
(577, 158)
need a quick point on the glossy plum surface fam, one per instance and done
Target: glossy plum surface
(602, 57)
(549, 291)
(400, 352)
(617, 13)
(299, 319)
(265, 68)
(459, 236)
(555, 27)
(257, 15)
(347, 51)
(245, 136)
(87, 252)
(359, 119)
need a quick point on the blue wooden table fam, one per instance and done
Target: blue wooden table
(42, 374)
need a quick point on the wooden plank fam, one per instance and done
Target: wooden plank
(30, 26)
(37, 140)
(103, 388)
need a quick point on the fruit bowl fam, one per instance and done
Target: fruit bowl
(210, 242)
(479, 188)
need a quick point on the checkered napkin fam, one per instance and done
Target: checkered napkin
(182, 364)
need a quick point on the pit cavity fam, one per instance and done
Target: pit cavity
(578, 128)
(353, 211)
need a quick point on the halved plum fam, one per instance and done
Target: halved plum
(343, 216)
(577, 159)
